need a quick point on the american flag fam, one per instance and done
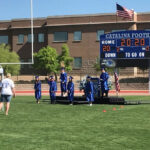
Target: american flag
(117, 82)
(124, 12)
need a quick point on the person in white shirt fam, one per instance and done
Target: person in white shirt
(7, 88)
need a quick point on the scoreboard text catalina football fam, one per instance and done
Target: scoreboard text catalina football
(133, 44)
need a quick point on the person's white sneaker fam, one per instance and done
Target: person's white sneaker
(90, 104)
(64, 95)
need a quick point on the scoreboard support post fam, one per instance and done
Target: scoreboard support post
(149, 76)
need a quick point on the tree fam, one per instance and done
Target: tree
(64, 58)
(46, 60)
(97, 66)
(9, 57)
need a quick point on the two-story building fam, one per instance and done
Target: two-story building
(80, 32)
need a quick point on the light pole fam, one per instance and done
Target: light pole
(32, 30)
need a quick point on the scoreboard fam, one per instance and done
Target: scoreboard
(131, 44)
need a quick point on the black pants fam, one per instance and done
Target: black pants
(105, 92)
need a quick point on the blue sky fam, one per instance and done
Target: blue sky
(12, 9)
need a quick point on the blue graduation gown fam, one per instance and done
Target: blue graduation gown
(37, 88)
(70, 88)
(52, 90)
(63, 79)
(104, 81)
(89, 91)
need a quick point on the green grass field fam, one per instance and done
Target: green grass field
(31, 126)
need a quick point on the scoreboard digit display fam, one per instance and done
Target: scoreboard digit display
(132, 44)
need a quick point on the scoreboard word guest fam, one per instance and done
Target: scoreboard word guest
(132, 44)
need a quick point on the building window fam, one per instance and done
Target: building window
(77, 62)
(20, 38)
(4, 39)
(41, 37)
(60, 36)
(77, 36)
(22, 65)
(30, 65)
(29, 38)
(99, 32)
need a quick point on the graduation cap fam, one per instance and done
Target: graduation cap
(88, 77)
(36, 77)
(62, 68)
(71, 77)
(103, 68)
(51, 77)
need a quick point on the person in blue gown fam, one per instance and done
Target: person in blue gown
(70, 89)
(37, 88)
(52, 89)
(89, 91)
(63, 82)
(104, 82)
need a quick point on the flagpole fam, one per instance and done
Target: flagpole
(133, 15)
(117, 87)
(115, 81)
